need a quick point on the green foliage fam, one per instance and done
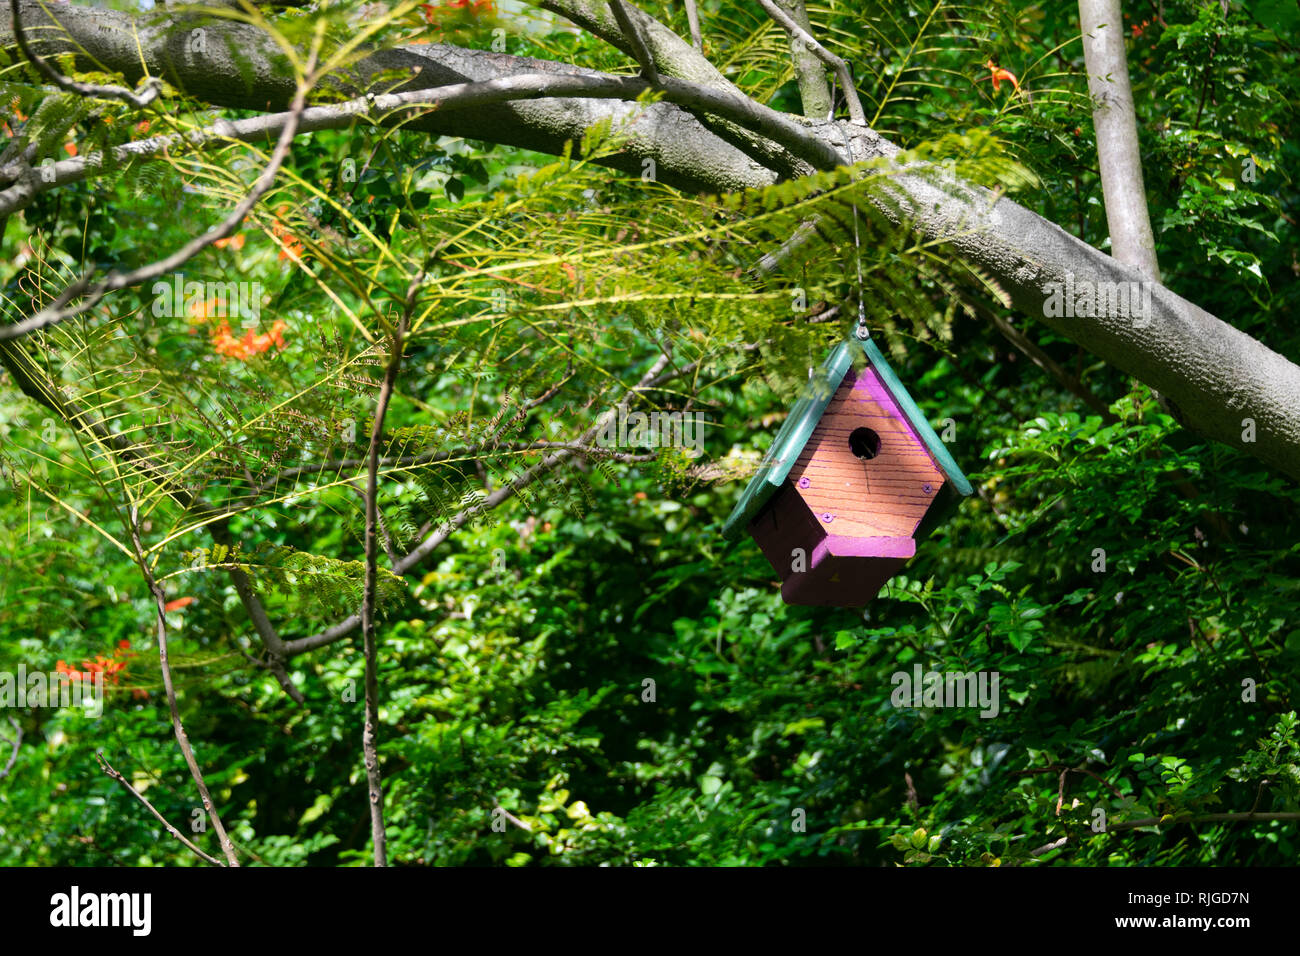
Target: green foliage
(587, 674)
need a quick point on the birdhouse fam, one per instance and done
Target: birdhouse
(855, 477)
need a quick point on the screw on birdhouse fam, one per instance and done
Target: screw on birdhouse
(804, 482)
(927, 488)
(828, 517)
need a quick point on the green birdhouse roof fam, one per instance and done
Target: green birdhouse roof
(808, 411)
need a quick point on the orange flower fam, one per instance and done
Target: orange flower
(475, 9)
(997, 75)
(200, 312)
(142, 126)
(225, 343)
(234, 242)
(175, 605)
(71, 148)
(291, 247)
(113, 668)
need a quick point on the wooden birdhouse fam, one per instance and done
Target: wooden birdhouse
(855, 477)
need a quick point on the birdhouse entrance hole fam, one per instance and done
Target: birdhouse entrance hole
(864, 443)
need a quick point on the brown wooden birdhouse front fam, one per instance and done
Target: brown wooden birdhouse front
(853, 480)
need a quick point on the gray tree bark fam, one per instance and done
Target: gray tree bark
(1115, 123)
(814, 91)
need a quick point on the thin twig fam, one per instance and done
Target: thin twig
(182, 740)
(16, 743)
(108, 769)
(152, 85)
(1204, 818)
(1048, 848)
(513, 819)
(370, 732)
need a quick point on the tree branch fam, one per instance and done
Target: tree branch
(80, 295)
(1216, 376)
(841, 68)
(1115, 123)
(152, 85)
(370, 733)
(693, 24)
(15, 744)
(182, 740)
(108, 769)
(634, 38)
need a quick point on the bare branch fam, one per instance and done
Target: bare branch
(81, 295)
(182, 739)
(814, 92)
(152, 85)
(370, 731)
(856, 115)
(1204, 818)
(1049, 847)
(693, 21)
(634, 38)
(15, 743)
(1115, 123)
(513, 819)
(401, 107)
(108, 769)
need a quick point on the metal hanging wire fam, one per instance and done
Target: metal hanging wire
(862, 332)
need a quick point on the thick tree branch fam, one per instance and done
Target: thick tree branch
(674, 57)
(408, 106)
(241, 68)
(1115, 123)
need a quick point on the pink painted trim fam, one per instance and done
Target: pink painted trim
(843, 546)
